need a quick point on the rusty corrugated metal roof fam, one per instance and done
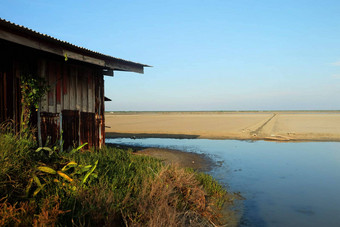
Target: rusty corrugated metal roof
(30, 32)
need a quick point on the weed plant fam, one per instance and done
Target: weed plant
(108, 187)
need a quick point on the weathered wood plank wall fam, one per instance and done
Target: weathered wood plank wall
(78, 89)
(71, 87)
(9, 89)
(74, 104)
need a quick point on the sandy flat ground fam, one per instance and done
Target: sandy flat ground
(282, 126)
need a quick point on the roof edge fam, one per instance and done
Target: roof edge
(28, 37)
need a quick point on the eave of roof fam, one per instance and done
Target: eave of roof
(25, 36)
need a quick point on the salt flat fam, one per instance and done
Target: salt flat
(282, 126)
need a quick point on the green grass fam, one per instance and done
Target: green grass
(106, 187)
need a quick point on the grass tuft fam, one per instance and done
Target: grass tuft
(109, 187)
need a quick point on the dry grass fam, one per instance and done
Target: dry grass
(98, 204)
(50, 211)
(173, 198)
(23, 213)
(18, 214)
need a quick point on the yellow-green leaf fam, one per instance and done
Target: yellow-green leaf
(46, 169)
(29, 185)
(82, 168)
(68, 166)
(63, 175)
(36, 180)
(78, 148)
(38, 190)
(43, 148)
(89, 172)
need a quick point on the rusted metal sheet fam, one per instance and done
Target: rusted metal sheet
(74, 105)
(59, 84)
(50, 130)
(72, 87)
(90, 97)
(66, 88)
(101, 133)
(96, 133)
(87, 129)
(102, 100)
(42, 72)
(52, 83)
(70, 122)
(8, 80)
(3, 97)
(78, 92)
(17, 102)
(9, 89)
(65, 80)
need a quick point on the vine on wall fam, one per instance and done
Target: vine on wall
(33, 88)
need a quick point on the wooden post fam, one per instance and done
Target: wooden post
(39, 127)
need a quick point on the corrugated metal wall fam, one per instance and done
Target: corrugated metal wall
(76, 99)
(72, 87)
(10, 107)
(74, 105)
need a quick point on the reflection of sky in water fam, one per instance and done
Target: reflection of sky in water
(285, 184)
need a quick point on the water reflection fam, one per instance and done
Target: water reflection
(285, 184)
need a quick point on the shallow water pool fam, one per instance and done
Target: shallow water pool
(284, 184)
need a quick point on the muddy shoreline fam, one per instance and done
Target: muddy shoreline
(199, 162)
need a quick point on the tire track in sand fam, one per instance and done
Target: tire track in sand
(258, 130)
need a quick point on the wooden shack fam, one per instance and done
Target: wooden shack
(74, 106)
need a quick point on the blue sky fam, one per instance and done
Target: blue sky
(206, 54)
